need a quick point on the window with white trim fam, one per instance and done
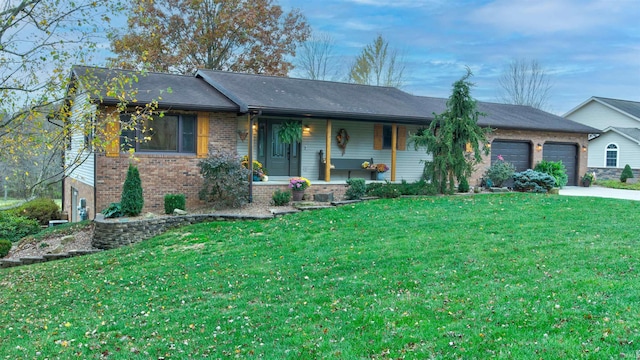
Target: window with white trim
(611, 155)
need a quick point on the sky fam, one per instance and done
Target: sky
(587, 48)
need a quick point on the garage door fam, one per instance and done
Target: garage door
(516, 152)
(568, 154)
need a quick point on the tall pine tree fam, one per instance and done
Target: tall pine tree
(448, 137)
(131, 200)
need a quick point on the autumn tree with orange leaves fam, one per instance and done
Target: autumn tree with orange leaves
(181, 36)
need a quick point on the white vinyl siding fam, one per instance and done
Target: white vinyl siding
(360, 146)
(628, 151)
(79, 163)
(601, 117)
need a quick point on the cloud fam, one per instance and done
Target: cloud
(398, 3)
(550, 16)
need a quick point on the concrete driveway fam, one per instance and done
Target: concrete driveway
(597, 191)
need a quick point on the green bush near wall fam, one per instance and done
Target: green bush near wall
(174, 201)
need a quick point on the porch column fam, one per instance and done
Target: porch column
(394, 151)
(327, 167)
(250, 155)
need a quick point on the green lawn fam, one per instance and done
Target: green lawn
(617, 184)
(513, 276)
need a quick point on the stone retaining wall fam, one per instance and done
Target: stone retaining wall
(111, 234)
(612, 173)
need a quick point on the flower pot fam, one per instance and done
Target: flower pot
(379, 176)
(256, 178)
(297, 195)
(586, 183)
(265, 178)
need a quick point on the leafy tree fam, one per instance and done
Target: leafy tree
(449, 134)
(39, 42)
(132, 201)
(525, 83)
(181, 36)
(377, 65)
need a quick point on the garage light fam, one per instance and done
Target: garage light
(538, 148)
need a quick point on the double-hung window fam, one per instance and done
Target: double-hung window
(611, 159)
(172, 133)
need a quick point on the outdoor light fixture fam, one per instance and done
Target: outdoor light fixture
(584, 148)
(306, 129)
(538, 147)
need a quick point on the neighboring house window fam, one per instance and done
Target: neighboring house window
(169, 133)
(611, 157)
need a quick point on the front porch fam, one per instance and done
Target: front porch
(263, 190)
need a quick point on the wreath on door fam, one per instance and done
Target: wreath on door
(343, 139)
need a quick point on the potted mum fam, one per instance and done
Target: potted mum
(298, 185)
(258, 171)
(381, 169)
(588, 179)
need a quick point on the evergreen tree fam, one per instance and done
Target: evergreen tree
(626, 173)
(448, 137)
(132, 200)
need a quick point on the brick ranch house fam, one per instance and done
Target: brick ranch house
(242, 113)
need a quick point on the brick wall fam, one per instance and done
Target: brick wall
(534, 138)
(263, 192)
(162, 174)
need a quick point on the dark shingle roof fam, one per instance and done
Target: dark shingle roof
(516, 117)
(313, 98)
(212, 90)
(632, 133)
(630, 107)
(187, 92)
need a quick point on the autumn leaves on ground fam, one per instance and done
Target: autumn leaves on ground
(488, 276)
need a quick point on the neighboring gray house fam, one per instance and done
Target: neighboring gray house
(618, 142)
(216, 110)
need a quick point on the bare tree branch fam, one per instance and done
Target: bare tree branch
(525, 83)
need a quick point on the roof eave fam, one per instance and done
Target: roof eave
(313, 114)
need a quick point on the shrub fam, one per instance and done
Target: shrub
(463, 186)
(42, 210)
(5, 247)
(132, 201)
(420, 187)
(174, 201)
(533, 181)
(626, 173)
(555, 169)
(226, 182)
(14, 227)
(114, 210)
(281, 198)
(383, 190)
(500, 171)
(357, 188)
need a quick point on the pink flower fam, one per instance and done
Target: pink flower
(500, 158)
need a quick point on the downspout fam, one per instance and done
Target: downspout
(252, 117)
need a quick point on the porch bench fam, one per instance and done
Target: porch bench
(340, 164)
